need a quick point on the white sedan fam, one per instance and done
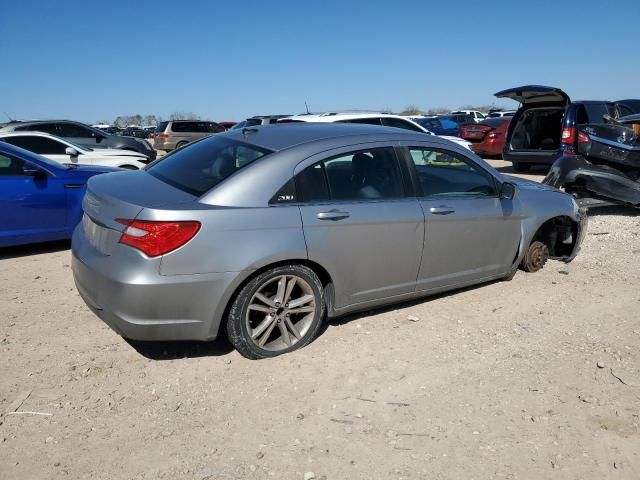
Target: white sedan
(63, 151)
(385, 119)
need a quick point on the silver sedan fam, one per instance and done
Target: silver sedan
(264, 232)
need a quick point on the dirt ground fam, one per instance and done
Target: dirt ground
(534, 378)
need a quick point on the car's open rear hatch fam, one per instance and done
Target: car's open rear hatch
(535, 95)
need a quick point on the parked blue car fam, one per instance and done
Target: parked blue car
(40, 200)
(439, 126)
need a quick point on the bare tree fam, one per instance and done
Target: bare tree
(150, 120)
(411, 110)
(437, 111)
(481, 108)
(120, 122)
(184, 116)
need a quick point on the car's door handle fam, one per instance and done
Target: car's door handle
(333, 215)
(441, 210)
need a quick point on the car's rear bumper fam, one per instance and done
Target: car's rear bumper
(164, 144)
(141, 305)
(488, 146)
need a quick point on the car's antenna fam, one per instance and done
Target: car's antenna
(307, 107)
(10, 119)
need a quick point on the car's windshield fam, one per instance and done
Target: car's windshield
(199, 167)
(77, 147)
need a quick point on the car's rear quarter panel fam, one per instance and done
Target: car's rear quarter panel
(234, 239)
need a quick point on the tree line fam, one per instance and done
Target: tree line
(122, 121)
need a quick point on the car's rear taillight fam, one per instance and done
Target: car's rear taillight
(583, 137)
(154, 238)
(568, 135)
(162, 135)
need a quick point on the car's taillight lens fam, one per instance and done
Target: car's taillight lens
(583, 137)
(156, 238)
(568, 135)
(162, 135)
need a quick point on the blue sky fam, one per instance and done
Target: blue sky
(90, 61)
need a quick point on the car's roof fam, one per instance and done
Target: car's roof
(281, 136)
(30, 133)
(336, 116)
(269, 116)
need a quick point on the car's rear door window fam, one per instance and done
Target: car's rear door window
(443, 173)
(74, 131)
(362, 175)
(183, 127)
(161, 127)
(199, 167)
(36, 144)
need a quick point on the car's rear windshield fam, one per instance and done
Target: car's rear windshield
(495, 121)
(199, 167)
(161, 126)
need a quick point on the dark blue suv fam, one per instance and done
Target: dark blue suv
(544, 126)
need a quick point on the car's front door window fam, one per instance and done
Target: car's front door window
(11, 166)
(447, 174)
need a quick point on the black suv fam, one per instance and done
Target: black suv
(83, 135)
(544, 127)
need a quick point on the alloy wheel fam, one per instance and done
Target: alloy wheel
(280, 312)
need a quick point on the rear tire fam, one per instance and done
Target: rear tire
(263, 321)
(535, 258)
(520, 167)
(180, 145)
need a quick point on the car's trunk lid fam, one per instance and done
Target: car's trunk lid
(123, 195)
(535, 95)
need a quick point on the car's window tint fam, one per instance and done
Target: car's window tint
(10, 166)
(366, 121)
(214, 127)
(596, 111)
(311, 184)
(199, 167)
(41, 145)
(399, 123)
(252, 122)
(161, 127)
(183, 127)
(443, 173)
(363, 175)
(39, 127)
(74, 131)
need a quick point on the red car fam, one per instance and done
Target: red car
(488, 136)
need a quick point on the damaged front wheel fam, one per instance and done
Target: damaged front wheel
(536, 256)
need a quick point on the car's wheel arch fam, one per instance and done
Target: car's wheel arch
(241, 281)
(550, 231)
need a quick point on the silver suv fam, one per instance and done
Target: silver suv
(177, 133)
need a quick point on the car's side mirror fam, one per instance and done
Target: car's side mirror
(507, 191)
(71, 152)
(33, 171)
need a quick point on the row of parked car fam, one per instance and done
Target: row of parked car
(354, 201)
